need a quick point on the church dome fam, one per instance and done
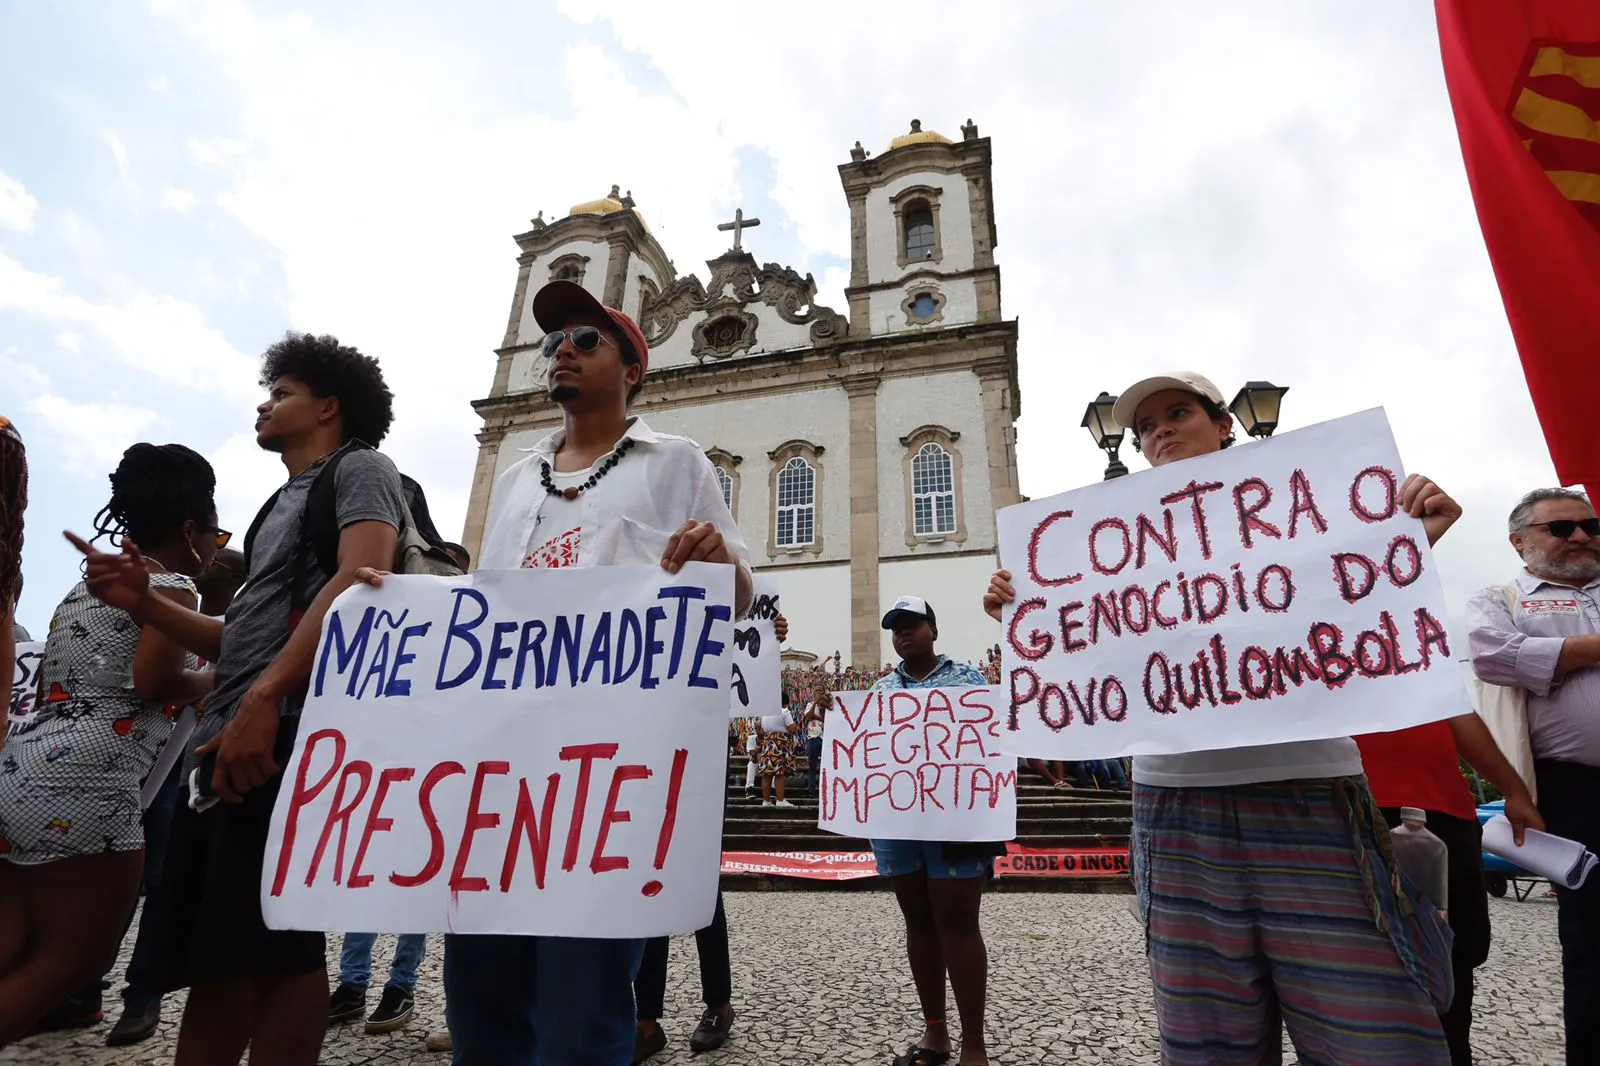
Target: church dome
(918, 135)
(609, 204)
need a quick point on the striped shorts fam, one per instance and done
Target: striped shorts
(1279, 905)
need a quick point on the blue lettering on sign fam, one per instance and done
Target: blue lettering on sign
(367, 654)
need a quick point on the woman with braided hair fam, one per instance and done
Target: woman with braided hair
(71, 836)
(13, 498)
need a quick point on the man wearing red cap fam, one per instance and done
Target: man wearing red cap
(604, 489)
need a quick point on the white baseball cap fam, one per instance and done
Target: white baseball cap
(1127, 405)
(914, 605)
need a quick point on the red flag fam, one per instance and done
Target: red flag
(1524, 80)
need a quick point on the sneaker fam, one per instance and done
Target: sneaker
(439, 1040)
(394, 1011)
(712, 1032)
(647, 1044)
(783, 803)
(347, 1003)
(138, 1023)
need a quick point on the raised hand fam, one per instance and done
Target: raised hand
(1423, 499)
(999, 594)
(120, 579)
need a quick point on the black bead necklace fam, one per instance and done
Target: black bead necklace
(571, 492)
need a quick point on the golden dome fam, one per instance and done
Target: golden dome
(918, 135)
(609, 204)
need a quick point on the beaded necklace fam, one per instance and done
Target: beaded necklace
(571, 492)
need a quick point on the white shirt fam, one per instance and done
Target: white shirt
(626, 517)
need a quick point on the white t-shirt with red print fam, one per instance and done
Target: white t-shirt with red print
(557, 526)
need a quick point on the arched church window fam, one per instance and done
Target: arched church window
(795, 521)
(919, 233)
(725, 483)
(933, 491)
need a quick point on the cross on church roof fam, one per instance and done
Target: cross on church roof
(738, 225)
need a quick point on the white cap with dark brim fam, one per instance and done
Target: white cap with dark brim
(1127, 405)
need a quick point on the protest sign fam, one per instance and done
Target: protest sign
(24, 685)
(519, 751)
(917, 764)
(1274, 591)
(1020, 861)
(756, 684)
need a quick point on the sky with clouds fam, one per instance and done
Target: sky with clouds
(1252, 190)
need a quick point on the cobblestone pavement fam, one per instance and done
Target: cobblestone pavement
(821, 978)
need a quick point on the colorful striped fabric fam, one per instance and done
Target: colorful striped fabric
(1278, 905)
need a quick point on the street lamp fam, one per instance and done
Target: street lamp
(1102, 426)
(1256, 407)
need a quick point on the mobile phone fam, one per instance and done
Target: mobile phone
(201, 798)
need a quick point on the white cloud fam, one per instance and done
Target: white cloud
(158, 84)
(16, 373)
(180, 200)
(216, 151)
(69, 340)
(17, 205)
(157, 334)
(87, 439)
(119, 155)
(246, 476)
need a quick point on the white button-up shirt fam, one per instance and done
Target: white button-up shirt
(628, 515)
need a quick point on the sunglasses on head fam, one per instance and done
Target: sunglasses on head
(1562, 528)
(584, 338)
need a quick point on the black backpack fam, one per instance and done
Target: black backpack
(419, 550)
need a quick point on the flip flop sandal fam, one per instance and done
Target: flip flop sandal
(921, 1056)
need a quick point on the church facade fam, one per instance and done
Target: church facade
(863, 453)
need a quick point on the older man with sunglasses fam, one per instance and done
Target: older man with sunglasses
(1541, 633)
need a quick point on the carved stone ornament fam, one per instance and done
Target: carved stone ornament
(736, 281)
(726, 331)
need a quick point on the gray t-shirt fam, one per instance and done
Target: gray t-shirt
(256, 627)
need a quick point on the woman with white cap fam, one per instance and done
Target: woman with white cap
(1266, 882)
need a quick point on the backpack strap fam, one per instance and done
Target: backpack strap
(255, 527)
(319, 528)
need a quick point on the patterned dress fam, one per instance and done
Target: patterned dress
(776, 757)
(69, 779)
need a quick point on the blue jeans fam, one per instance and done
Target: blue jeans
(540, 1000)
(813, 762)
(355, 961)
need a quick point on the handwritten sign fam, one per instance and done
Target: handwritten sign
(756, 686)
(917, 764)
(1274, 591)
(519, 751)
(24, 685)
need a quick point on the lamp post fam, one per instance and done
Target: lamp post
(1256, 407)
(1102, 426)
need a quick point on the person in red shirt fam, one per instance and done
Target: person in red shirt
(1420, 767)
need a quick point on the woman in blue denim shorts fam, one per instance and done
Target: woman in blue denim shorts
(939, 885)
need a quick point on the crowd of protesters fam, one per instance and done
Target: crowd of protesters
(1246, 937)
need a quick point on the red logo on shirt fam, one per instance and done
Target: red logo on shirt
(555, 553)
(1550, 606)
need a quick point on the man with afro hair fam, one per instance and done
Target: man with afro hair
(327, 409)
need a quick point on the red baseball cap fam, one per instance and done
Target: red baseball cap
(561, 301)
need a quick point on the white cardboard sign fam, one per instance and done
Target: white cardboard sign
(518, 751)
(756, 682)
(24, 685)
(1274, 591)
(917, 764)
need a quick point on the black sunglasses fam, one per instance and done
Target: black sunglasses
(584, 338)
(1562, 528)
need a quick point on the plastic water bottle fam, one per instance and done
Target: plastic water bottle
(1422, 856)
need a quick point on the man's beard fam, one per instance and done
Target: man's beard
(1584, 566)
(563, 393)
